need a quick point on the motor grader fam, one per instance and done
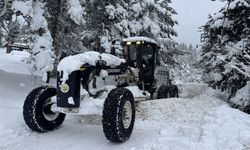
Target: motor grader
(138, 76)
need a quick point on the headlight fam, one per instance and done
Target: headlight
(128, 43)
(64, 88)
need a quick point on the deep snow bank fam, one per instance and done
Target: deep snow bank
(14, 62)
(197, 121)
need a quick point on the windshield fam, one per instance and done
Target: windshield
(145, 50)
(132, 52)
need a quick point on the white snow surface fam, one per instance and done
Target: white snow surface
(198, 120)
(242, 97)
(24, 7)
(73, 63)
(14, 62)
(135, 39)
(76, 11)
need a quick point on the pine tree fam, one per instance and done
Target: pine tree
(117, 19)
(5, 10)
(1, 36)
(71, 27)
(53, 8)
(5, 17)
(14, 30)
(75, 26)
(148, 18)
(225, 57)
(100, 23)
(29, 25)
(184, 68)
(1, 7)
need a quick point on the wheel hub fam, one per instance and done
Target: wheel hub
(127, 115)
(47, 112)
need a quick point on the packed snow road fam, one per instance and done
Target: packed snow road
(197, 120)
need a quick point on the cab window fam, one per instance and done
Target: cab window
(147, 52)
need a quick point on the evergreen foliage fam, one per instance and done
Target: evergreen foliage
(184, 68)
(14, 29)
(114, 20)
(225, 54)
(75, 26)
(5, 10)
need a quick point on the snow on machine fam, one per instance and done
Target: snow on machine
(137, 77)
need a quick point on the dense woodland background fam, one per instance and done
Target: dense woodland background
(58, 27)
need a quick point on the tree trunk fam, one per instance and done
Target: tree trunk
(5, 10)
(54, 9)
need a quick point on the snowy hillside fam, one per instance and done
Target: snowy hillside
(199, 120)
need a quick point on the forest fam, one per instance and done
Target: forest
(55, 28)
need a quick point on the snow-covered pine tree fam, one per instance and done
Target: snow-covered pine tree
(5, 10)
(52, 11)
(101, 18)
(152, 18)
(74, 26)
(34, 28)
(225, 56)
(14, 30)
(2, 4)
(5, 18)
(113, 20)
(193, 54)
(1, 36)
(184, 67)
(70, 26)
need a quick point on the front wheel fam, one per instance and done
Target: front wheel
(118, 115)
(37, 111)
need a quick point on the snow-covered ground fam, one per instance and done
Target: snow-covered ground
(14, 62)
(199, 120)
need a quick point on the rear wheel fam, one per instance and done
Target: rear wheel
(37, 111)
(118, 115)
(247, 109)
(167, 91)
(163, 92)
(175, 92)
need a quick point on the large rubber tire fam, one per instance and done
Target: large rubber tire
(174, 91)
(37, 112)
(247, 109)
(163, 92)
(115, 128)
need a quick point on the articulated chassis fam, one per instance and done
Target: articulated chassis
(42, 113)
